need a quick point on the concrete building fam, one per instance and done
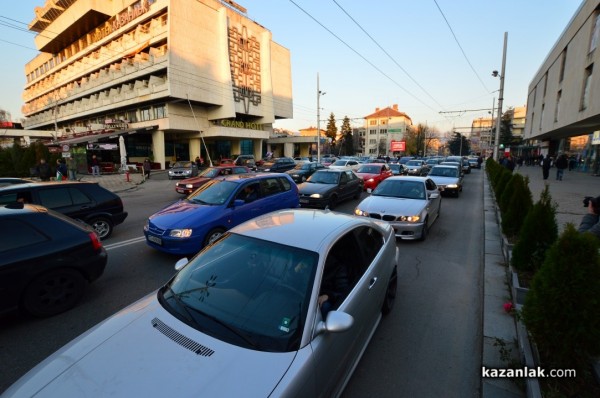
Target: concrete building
(563, 98)
(384, 130)
(482, 135)
(177, 78)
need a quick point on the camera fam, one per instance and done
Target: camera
(594, 201)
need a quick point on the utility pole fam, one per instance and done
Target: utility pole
(319, 94)
(501, 98)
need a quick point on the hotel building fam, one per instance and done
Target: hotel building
(176, 78)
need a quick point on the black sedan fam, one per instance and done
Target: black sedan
(302, 171)
(46, 260)
(327, 187)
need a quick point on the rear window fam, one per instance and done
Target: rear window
(16, 234)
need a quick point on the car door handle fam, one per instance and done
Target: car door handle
(372, 283)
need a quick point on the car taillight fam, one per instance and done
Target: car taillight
(96, 244)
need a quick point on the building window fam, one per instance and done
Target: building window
(160, 112)
(372, 132)
(541, 116)
(383, 131)
(595, 32)
(563, 62)
(587, 82)
(545, 84)
(557, 110)
(383, 121)
(132, 116)
(372, 122)
(372, 141)
(145, 114)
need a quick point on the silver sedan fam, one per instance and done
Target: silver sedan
(282, 305)
(410, 204)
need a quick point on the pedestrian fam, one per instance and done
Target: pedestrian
(198, 162)
(546, 164)
(561, 164)
(508, 163)
(147, 167)
(591, 221)
(72, 167)
(43, 170)
(572, 162)
(61, 170)
(95, 166)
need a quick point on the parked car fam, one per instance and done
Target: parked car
(183, 169)
(474, 163)
(455, 164)
(410, 204)
(244, 309)
(416, 167)
(46, 260)
(85, 201)
(302, 171)
(328, 160)
(246, 160)
(466, 169)
(345, 164)
(189, 185)
(278, 165)
(6, 181)
(373, 173)
(405, 159)
(447, 178)
(328, 187)
(302, 159)
(188, 225)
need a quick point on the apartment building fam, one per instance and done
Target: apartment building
(176, 78)
(384, 130)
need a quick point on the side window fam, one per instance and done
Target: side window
(285, 183)
(8, 197)
(372, 243)
(16, 234)
(78, 197)
(344, 177)
(55, 198)
(270, 186)
(239, 170)
(430, 185)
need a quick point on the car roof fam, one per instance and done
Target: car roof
(241, 178)
(444, 166)
(406, 178)
(45, 183)
(20, 208)
(332, 170)
(285, 226)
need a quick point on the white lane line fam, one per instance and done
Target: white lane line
(125, 243)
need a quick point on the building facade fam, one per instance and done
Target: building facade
(563, 100)
(178, 78)
(384, 130)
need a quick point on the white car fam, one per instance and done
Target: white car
(243, 318)
(410, 204)
(345, 164)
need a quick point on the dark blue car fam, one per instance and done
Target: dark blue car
(188, 225)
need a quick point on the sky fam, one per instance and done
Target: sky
(433, 58)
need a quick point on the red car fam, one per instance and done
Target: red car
(373, 173)
(189, 185)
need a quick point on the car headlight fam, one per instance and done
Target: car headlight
(371, 180)
(146, 225)
(266, 169)
(316, 196)
(452, 186)
(189, 186)
(181, 233)
(187, 172)
(295, 175)
(409, 218)
(360, 212)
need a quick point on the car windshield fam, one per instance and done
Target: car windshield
(302, 166)
(369, 169)
(245, 291)
(400, 189)
(324, 177)
(414, 163)
(209, 173)
(340, 163)
(443, 172)
(215, 192)
(182, 164)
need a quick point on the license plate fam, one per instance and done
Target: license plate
(154, 239)
(303, 200)
(180, 190)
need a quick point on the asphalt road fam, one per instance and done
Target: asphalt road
(430, 345)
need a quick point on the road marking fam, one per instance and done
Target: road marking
(125, 243)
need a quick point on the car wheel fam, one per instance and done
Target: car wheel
(53, 292)
(332, 202)
(213, 235)
(102, 226)
(425, 230)
(390, 293)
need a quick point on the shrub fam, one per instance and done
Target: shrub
(502, 180)
(561, 310)
(516, 201)
(538, 232)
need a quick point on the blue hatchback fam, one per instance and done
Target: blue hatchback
(188, 225)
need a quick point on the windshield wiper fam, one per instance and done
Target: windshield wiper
(183, 305)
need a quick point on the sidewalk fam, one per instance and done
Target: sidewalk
(499, 329)
(115, 182)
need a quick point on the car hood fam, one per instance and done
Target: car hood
(388, 205)
(440, 180)
(366, 176)
(144, 351)
(308, 188)
(181, 214)
(194, 180)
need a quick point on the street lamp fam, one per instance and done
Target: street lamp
(319, 94)
(501, 95)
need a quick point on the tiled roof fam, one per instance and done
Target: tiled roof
(387, 112)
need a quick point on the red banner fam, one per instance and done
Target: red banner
(398, 146)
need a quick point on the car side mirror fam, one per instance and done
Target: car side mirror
(239, 202)
(336, 322)
(434, 195)
(369, 190)
(181, 263)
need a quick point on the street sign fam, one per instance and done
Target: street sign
(397, 146)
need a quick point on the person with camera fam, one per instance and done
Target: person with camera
(590, 221)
